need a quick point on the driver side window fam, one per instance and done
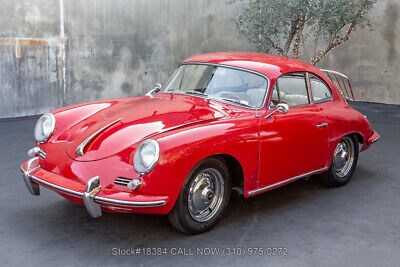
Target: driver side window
(290, 89)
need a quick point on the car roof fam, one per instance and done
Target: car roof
(272, 66)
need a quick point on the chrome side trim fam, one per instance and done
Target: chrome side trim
(322, 125)
(286, 181)
(81, 147)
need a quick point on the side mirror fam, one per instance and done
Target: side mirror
(157, 88)
(282, 108)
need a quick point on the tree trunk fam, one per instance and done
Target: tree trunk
(299, 34)
(292, 33)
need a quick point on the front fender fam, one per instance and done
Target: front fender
(69, 116)
(181, 150)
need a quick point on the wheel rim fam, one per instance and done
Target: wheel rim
(344, 157)
(206, 194)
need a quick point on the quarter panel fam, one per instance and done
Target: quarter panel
(343, 120)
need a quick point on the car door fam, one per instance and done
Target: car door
(295, 143)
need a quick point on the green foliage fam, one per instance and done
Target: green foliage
(282, 26)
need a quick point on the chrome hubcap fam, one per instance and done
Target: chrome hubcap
(344, 157)
(206, 194)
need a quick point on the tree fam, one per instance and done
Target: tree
(283, 26)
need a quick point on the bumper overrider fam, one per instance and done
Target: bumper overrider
(93, 196)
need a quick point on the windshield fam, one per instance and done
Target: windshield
(227, 84)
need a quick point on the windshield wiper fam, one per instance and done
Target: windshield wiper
(193, 92)
(240, 102)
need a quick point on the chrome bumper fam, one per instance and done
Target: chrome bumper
(31, 165)
(91, 201)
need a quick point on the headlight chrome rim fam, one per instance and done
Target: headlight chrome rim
(39, 123)
(138, 163)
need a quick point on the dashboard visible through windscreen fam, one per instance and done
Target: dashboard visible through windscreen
(223, 83)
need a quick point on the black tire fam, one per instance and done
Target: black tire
(181, 218)
(331, 178)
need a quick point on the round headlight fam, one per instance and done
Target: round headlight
(45, 127)
(146, 156)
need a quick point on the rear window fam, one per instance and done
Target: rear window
(341, 82)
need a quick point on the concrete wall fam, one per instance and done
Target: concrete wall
(372, 59)
(55, 53)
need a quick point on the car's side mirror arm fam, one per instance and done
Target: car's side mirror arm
(282, 108)
(157, 88)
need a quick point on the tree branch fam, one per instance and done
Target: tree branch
(338, 42)
(275, 46)
(332, 45)
(260, 43)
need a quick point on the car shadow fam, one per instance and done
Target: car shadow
(65, 223)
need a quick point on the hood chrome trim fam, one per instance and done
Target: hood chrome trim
(81, 147)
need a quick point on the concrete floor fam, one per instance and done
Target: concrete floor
(355, 224)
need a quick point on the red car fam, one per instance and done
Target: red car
(244, 121)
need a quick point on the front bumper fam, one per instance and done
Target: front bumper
(91, 195)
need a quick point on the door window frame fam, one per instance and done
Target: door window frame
(308, 86)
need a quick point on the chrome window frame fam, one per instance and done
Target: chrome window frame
(267, 89)
(312, 92)
(348, 96)
(306, 80)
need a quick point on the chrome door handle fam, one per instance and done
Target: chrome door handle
(322, 125)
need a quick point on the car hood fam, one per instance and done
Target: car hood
(118, 124)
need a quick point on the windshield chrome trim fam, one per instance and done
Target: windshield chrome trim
(220, 100)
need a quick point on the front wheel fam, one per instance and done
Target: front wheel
(343, 163)
(203, 199)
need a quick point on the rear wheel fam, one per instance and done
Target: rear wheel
(343, 163)
(203, 199)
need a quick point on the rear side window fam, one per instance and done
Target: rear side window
(290, 89)
(320, 90)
